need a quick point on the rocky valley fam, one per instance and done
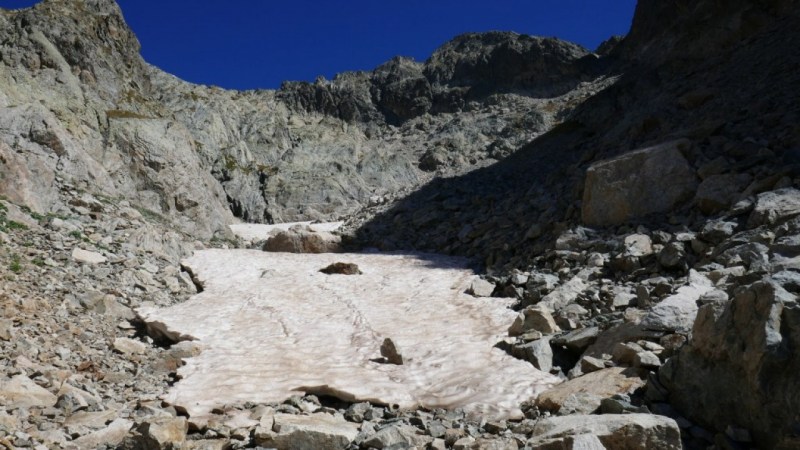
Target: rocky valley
(626, 222)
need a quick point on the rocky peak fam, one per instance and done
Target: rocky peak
(85, 39)
(504, 60)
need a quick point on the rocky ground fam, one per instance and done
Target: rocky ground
(613, 314)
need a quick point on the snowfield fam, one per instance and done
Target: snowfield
(271, 326)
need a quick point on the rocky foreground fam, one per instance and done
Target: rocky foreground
(638, 207)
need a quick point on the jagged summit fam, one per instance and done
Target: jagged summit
(306, 151)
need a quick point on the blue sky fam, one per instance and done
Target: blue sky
(247, 44)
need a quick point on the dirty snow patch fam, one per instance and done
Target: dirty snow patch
(273, 326)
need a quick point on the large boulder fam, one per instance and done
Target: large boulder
(646, 181)
(775, 206)
(740, 367)
(614, 431)
(291, 432)
(302, 239)
(601, 384)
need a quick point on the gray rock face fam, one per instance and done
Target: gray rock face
(651, 180)
(735, 348)
(194, 154)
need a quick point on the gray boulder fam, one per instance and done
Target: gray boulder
(651, 180)
(739, 366)
(291, 432)
(614, 431)
(775, 206)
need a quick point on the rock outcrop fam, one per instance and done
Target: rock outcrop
(740, 366)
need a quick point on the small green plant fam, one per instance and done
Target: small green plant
(15, 265)
(38, 261)
(75, 234)
(230, 163)
(12, 225)
(6, 224)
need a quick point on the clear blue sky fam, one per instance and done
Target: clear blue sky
(247, 44)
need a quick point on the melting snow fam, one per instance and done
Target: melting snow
(271, 326)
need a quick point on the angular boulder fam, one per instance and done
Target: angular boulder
(302, 239)
(534, 318)
(775, 206)
(677, 312)
(22, 392)
(602, 383)
(741, 364)
(614, 431)
(642, 182)
(291, 432)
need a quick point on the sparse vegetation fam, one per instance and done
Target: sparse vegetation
(6, 224)
(124, 114)
(15, 265)
(150, 214)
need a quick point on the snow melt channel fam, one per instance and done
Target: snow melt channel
(271, 326)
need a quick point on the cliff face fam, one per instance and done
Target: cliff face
(108, 122)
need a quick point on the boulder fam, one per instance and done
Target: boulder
(740, 366)
(481, 288)
(775, 206)
(642, 182)
(290, 432)
(157, 433)
(21, 392)
(534, 318)
(677, 312)
(128, 346)
(565, 294)
(602, 384)
(110, 436)
(397, 436)
(302, 239)
(390, 352)
(717, 192)
(613, 431)
(539, 353)
(88, 257)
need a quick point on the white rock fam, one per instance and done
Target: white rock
(481, 288)
(128, 346)
(110, 436)
(86, 256)
(678, 311)
(21, 392)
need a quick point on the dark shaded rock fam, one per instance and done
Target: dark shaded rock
(341, 268)
(651, 180)
(739, 366)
